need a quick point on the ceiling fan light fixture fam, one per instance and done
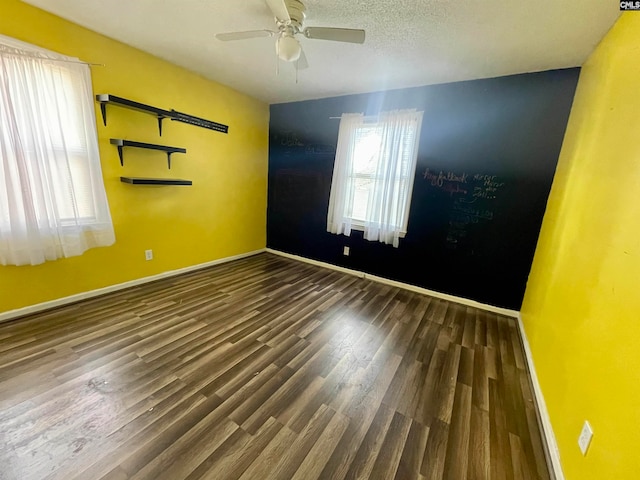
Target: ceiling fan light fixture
(289, 17)
(288, 48)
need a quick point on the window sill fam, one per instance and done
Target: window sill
(360, 227)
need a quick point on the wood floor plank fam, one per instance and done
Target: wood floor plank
(236, 454)
(364, 460)
(435, 453)
(361, 415)
(537, 440)
(413, 451)
(479, 458)
(291, 460)
(390, 453)
(501, 466)
(318, 456)
(266, 368)
(270, 456)
(458, 444)
(189, 451)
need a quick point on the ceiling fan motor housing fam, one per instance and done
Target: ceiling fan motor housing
(297, 13)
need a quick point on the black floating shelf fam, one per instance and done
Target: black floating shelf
(155, 181)
(198, 122)
(120, 143)
(106, 99)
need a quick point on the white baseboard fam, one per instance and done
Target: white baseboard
(545, 420)
(20, 312)
(318, 263)
(413, 288)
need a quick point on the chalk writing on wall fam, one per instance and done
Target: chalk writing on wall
(320, 150)
(289, 139)
(292, 144)
(474, 200)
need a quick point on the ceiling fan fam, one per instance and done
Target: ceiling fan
(289, 17)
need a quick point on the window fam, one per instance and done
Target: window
(373, 175)
(52, 198)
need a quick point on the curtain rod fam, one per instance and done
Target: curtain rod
(52, 59)
(366, 117)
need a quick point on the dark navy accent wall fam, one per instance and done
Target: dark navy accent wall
(488, 153)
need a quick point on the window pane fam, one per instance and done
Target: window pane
(366, 156)
(73, 192)
(367, 150)
(361, 198)
(72, 178)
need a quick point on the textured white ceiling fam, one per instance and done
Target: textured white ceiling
(409, 42)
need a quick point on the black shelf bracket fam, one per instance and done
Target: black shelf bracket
(106, 99)
(120, 143)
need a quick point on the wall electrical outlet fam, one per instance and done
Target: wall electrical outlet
(345, 251)
(585, 437)
(148, 254)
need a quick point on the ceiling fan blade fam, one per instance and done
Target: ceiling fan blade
(336, 34)
(226, 37)
(279, 9)
(302, 63)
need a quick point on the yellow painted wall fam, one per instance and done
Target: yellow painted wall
(222, 214)
(582, 305)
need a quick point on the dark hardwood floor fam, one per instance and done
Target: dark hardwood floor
(266, 368)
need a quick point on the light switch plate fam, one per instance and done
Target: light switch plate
(585, 437)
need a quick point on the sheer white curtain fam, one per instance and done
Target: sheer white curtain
(339, 218)
(373, 175)
(388, 206)
(52, 198)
